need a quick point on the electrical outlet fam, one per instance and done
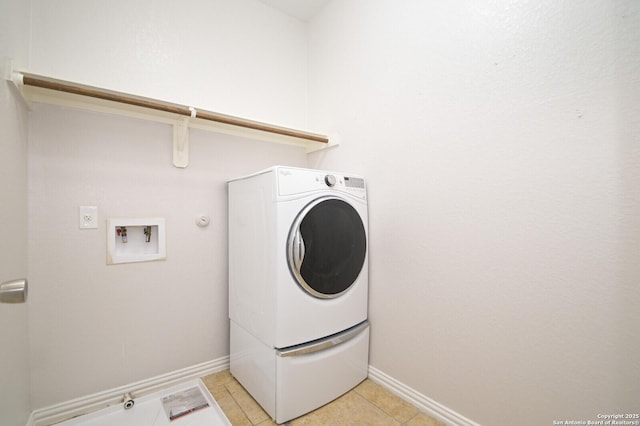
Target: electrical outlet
(88, 217)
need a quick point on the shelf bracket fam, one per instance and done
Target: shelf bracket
(181, 141)
(334, 141)
(15, 82)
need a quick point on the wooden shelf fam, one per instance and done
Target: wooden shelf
(37, 88)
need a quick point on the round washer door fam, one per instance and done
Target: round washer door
(326, 247)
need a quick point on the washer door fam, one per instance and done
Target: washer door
(326, 247)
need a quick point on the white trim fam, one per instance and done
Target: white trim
(421, 401)
(86, 404)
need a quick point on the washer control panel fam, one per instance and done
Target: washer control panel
(297, 181)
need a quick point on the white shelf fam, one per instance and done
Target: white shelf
(42, 89)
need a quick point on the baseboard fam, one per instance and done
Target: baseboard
(86, 404)
(421, 401)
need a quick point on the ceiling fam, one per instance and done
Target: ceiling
(301, 9)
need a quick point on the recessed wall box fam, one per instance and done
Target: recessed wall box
(136, 239)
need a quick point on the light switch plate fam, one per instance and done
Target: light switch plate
(88, 217)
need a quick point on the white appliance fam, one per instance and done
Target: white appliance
(298, 287)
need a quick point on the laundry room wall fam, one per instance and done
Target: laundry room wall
(236, 57)
(92, 326)
(501, 145)
(96, 326)
(14, 350)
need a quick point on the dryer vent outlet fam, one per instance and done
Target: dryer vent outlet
(127, 401)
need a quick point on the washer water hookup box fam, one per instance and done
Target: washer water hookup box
(136, 240)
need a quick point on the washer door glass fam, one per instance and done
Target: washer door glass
(327, 247)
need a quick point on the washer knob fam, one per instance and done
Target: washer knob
(330, 180)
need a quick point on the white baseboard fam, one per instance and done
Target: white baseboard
(424, 403)
(86, 404)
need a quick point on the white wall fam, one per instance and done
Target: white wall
(14, 351)
(94, 326)
(237, 57)
(501, 145)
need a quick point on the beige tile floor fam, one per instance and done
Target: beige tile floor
(367, 404)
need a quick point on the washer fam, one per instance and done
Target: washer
(298, 287)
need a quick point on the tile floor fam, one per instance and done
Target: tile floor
(367, 404)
